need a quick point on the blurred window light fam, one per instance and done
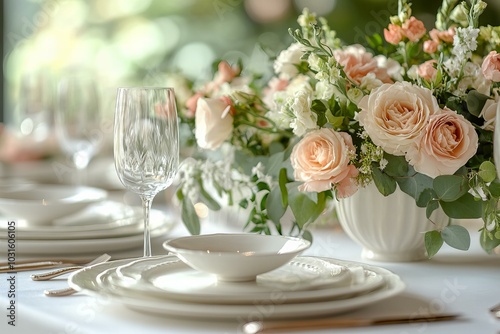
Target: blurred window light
(170, 31)
(139, 39)
(111, 9)
(70, 15)
(320, 7)
(194, 59)
(265, 11)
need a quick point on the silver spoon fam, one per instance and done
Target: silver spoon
(58, 272)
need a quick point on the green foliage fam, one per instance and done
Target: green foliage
(433, 242)
(456, 236)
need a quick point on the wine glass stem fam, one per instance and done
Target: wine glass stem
(146, 208)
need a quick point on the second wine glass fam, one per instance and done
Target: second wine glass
(77, 121)
(146, 144)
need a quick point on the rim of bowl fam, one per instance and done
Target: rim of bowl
(166, 245)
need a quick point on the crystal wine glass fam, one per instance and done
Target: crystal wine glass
(146, 144)
(77, 120)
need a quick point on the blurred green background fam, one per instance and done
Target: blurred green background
(135, 42)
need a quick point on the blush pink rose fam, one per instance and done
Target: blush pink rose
(491, 66)
(427, 70)
(322, 161)
(394, 115)
(446, 144)
(358, 63)
(394, 34)
(213, 122)
(413, 29)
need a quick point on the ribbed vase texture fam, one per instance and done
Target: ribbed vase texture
(389, 228)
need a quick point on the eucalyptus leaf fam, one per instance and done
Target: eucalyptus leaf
(397, 166)
(282, 181)
(273, 166)
(431, 207)
(384, 183)
(449, 188)
(189, 217)
(494, 188)
(456, 236)
(487, 171)
(274, 205)
(303, 208)
(433, 242)
(208, 199)
(488, 242)
(466, 207)
(414, 183)
(476, 102)
(307, 235)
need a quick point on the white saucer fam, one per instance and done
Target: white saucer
(86, 280)
(303, 279)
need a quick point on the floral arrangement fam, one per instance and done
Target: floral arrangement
(413, 109)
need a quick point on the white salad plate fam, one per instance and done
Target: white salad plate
(301, 280)
(92, 281)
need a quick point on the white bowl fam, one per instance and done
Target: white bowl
(236, 257)
(41, 204)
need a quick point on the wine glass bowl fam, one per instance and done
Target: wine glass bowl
(146, 144)
(77, 120)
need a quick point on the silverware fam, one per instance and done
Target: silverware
(41, 264)
(260, 327)
(59, 292)
(58, 272)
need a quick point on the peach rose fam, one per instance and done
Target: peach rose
(491, 66)
(321, 160)
(394, 34)
(213, 123)
(413, 29)
(430, 46)
(358, 63)
(394, 115)
(427, 70)
(447, 143)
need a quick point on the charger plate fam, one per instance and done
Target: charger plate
(91, 280)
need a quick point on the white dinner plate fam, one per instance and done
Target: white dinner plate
(303, 279)
(85, 280)
(88, 246)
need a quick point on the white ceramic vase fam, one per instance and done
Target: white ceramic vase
(389, 228)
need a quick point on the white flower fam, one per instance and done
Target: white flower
(304, 118)
(464, 42)
(285, 64)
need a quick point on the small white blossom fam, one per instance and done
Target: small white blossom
(285, 64)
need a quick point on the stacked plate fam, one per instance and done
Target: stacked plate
(306, 286)
(43, 220)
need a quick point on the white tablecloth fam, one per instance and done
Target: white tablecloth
(454, 281)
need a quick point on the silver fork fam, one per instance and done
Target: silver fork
(58, 272)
